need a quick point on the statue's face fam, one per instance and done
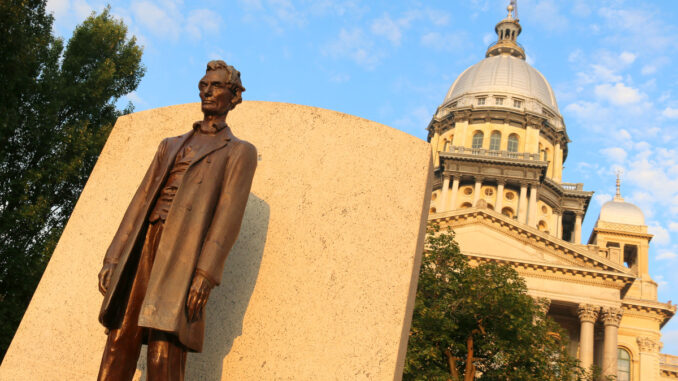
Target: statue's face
(216, 93)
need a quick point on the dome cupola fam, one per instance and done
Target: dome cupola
(621, 212)
(507, 31)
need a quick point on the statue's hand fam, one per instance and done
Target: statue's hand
(105, 277)
(197, 297)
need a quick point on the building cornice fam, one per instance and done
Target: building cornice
(576, 255)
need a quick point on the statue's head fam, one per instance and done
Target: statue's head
(220, 88)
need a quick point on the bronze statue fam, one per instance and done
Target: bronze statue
(170, 248)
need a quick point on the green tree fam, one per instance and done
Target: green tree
(477, 322)
(57, 107)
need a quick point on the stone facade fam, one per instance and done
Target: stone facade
(499, 144)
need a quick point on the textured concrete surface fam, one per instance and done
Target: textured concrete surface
(320, 284)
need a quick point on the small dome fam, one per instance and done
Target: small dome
(621, 212)
(503, 75)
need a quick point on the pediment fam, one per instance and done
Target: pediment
(488, 234)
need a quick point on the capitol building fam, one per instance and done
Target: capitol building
(499, 143)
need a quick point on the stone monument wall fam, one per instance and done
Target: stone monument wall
(321, 282)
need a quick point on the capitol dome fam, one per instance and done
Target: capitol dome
(504, 80)
(503, 75)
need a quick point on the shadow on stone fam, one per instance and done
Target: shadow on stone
(228, 302)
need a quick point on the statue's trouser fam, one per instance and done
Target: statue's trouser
(166, 356)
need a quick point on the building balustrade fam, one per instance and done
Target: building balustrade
(493, 153)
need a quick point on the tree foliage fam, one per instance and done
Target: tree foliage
(477, 322)
(57, 107)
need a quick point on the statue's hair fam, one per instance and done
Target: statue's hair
(232, 75)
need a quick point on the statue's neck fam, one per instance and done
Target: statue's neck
(209, 119)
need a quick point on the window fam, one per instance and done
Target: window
(499, 101)
(477, 140)
(510, 195)
(508, 212)
(468, 191)
(495, 140)
(466, 205)
(481, 101)
(517, 103)
(623, 365)
(489, 191)
(513, 143)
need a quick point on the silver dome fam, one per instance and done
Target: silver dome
(504, 75)
(621, 212)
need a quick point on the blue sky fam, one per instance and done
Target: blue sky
(610, 63)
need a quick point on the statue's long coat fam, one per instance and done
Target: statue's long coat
(201, 227)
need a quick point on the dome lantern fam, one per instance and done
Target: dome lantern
(507, 31)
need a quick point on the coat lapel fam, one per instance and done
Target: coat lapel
(221, 139)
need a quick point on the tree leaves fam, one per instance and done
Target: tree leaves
(483, 307)
(57, 107)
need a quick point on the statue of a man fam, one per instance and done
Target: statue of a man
(170, 248)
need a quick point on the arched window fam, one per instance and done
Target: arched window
(508, 212)
(507, 34)
(495, 140)
(466, 205)
(477, 140)
(513, 143)
(623, 365)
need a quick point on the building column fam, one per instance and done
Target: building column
(476, 191)
(577, 229)
(499, 201)
(557, 163)
(455, 190)
(559, 225)
(611, 317)
(522, 204)
(444, 194)
(588, 314)
(649, 357)
(532, 207)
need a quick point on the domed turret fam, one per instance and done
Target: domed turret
(621, 212)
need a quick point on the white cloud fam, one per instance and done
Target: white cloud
(673, 226)
(393, 29)
(670, 112)
(627, 57)
(648, 69)
(661, 235)
(58, 7)
(488, 38)
(618, 94)
(387, 27)
(583, 109)
(442, 42)
(602, 198)
(661, 283)
(581, 8)
(354, 45)
(416, 119)
(548, 14)
(156, 19)
(576, 56)
(202, 22)
(339, 78)
(665, 254)
(615, 154)
(82, 9)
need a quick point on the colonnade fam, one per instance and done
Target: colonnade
(527, 203)
(611, 317)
